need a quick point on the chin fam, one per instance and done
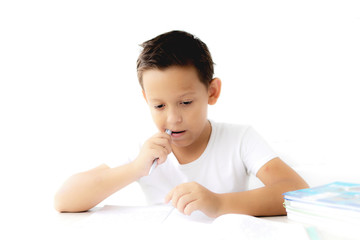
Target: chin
(182, 143)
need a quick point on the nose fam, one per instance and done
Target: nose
(174, 116)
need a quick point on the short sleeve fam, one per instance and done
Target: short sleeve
(255, 151)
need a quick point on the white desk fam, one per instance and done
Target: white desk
(46, 223)
(62, 222)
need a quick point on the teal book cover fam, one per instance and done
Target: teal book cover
(336, 194)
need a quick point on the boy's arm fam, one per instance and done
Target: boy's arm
(85, 190)
(266, 201)
(278, 178)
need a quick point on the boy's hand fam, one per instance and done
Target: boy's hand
(158, 146)
(188, 197)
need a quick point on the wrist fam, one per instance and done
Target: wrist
(228, 203)
(137, 170)
(220, 203)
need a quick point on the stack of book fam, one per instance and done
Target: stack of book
(334, 206)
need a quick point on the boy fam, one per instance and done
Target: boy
(202, 165)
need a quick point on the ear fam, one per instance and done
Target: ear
(144, 95)
(214, 90)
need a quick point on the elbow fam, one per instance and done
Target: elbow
(59, 203)
(63, 199)
(63, 203)
(80, 192)
(69, 198)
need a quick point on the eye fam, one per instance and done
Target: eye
(160, 106)
(186, 102)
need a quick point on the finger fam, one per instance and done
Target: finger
(163, 135)
(191, 207)
(168, 138)
(178, 193)
(157, 147)
(185, 200)
(162, 142)
(163, 153)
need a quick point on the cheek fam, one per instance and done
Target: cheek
(157, 117)
(198, 114)
(154, 115)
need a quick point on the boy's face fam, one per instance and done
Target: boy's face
(178, 101)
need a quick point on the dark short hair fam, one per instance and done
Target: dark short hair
(176, 48)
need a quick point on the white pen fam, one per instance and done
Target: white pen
(168, 131)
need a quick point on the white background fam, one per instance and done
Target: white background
(70, 100)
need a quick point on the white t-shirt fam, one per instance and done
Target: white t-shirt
(232, 154)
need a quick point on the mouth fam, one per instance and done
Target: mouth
(177, 133)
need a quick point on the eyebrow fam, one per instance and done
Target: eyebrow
(181, 96)
(188, 93)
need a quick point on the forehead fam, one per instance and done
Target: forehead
(174, 81)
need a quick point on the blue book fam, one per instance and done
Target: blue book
(336, 195)
(334, 207)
